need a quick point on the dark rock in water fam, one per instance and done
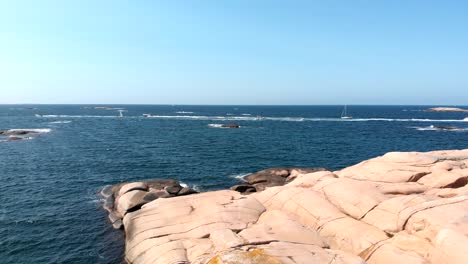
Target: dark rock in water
(259, 181)
(160, 184)
(447, 127)
(17, 132)
(261, 178)
(243, 188)
(173, 189)
(230, 125)
(186, 191)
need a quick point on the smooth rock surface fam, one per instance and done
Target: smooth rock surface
(398, 208)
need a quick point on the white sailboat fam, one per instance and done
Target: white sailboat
(344, 114)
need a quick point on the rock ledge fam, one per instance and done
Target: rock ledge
(402, 207)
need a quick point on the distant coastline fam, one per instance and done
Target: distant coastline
(446, 109)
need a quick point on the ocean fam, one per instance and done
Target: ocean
(50, 208)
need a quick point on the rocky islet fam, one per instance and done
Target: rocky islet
(20, 134)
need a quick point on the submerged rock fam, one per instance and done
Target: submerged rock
(398, 208)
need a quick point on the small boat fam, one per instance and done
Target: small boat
(344, 114)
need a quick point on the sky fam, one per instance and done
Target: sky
(234, 52)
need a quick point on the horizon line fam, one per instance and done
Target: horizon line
(146, 104)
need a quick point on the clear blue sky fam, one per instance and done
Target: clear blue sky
(234, 52)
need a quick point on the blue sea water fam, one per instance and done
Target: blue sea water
(50, 210)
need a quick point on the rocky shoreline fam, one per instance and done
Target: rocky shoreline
(402, 207)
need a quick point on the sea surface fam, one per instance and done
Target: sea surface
(50, 208)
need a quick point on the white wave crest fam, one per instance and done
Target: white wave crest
(216, 125)
(265, 118)
(240, 176)
(33, 130)
(301, 119)
(60, 122)
(75, 116)
(184, 185)
(184, 112)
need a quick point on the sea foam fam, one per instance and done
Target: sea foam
(240, 176)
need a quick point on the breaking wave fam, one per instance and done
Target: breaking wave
(216, 125)
(240, 176)
(246, 117)
(75, 116)
(60, 122)
(184, 112)
(300, 119)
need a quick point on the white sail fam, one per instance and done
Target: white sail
(344, 114)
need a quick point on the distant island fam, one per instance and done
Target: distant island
(446, 109)
(102, 108)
